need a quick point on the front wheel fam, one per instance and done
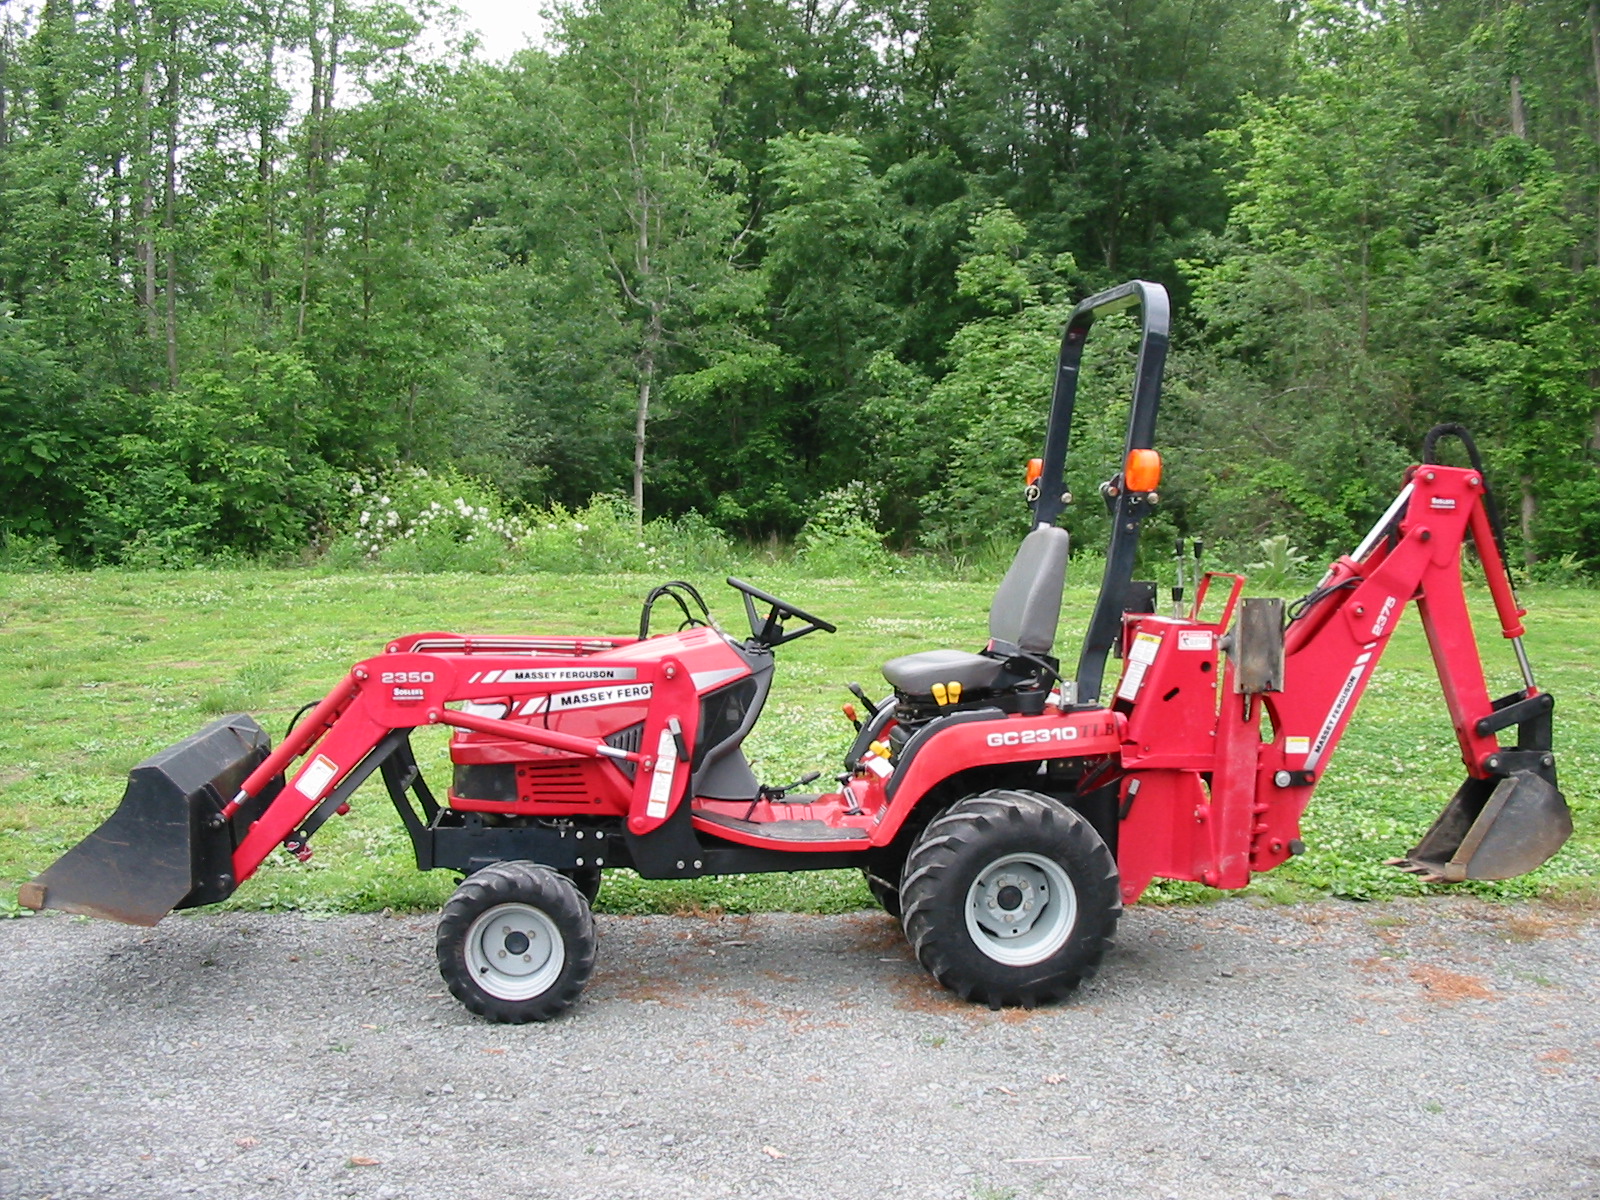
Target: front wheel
(516, 943)
(1010, 898)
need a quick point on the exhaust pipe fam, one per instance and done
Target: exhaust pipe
(167, 845)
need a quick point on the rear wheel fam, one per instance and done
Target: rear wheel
(516, 943)
(1010, 898)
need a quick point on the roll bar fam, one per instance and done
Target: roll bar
(1128, 509)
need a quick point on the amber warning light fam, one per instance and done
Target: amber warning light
(1142, 471)
(1035, 469)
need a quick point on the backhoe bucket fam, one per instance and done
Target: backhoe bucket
(1494, 828)
(167, 846)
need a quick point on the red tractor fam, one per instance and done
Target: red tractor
(1005, 810)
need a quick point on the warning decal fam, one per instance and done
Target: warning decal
(1140, 655)
(314, 779)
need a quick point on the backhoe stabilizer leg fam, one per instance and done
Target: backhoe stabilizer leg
(1494, 828)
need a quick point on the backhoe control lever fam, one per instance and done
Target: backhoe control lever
(855, 690)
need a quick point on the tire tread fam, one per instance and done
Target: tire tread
(933, 903)
(517, 882)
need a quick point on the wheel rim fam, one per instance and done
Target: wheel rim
(1021, 909)
(514, 951)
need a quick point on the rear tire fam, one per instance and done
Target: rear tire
(516, 943)
(1010, 899)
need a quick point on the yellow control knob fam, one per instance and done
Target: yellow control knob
(954, 691)
(939, 694)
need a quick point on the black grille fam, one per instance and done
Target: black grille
(485, 781)
(629, 739)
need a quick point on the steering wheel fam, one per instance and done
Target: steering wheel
(769, 631)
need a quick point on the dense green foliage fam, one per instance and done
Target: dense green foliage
(788, 266)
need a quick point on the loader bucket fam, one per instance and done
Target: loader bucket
(1494, 828)
(167, 846)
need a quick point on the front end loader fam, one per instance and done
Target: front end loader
(1003, 808)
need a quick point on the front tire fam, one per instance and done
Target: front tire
(1010, 898)
(516, 943)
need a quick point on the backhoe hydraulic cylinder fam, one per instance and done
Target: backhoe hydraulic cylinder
(1494, 570)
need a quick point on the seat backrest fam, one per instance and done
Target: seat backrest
(1027, 604)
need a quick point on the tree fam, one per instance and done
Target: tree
(638, 186)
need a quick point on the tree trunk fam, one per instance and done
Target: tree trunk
(5, 129)
(641, 418)
(1529, 508)
(169, 213)
(1529, 512)
(264, 132)
(144, 248)
(1594, 61)
(118, 189)
(324, 74)
(5, 59)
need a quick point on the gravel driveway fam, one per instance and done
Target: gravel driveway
(1440, 1049)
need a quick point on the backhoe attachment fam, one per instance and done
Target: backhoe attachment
(1512, 817)
(167, 845)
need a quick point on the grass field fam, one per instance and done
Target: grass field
(108, 667)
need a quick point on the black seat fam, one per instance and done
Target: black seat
(1022, 627)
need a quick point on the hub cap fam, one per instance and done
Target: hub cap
(1021, 909)
(514, 951)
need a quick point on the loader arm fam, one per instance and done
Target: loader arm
(175, 842)
(349, 736)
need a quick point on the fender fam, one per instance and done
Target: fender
(987, 737)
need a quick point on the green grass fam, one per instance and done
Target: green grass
(107, 667)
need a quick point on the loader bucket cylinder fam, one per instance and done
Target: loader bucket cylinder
(167, 845)
(1494, 828)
